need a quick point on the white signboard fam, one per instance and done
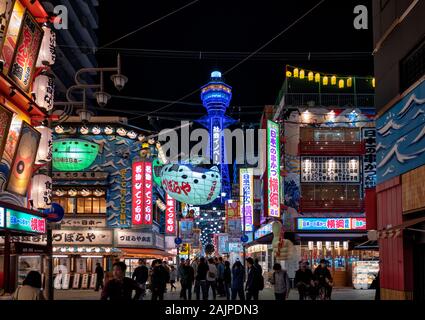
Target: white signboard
(80, 175)
(65, 281)
(159, 241)
(133, 238)
(93, 281)
(76, 282)
(169, 242)
(82, 237)
(84, 222)
(39, 239)
(1, 217)
(85, 281)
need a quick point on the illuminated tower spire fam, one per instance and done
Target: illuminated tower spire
(216, 97)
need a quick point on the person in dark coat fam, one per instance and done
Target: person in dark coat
(201, 279)
(253, 282)
(227, 279)
(188, 277)
(238, 273)
(159, 280)
(99, 276)
(377, 286)
(304, 280)
(323, 277)
(120, 287)
(140, 275)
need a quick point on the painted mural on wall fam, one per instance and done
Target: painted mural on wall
(401, 136)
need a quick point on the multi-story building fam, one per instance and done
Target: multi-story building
(327, 155)
(400, 96)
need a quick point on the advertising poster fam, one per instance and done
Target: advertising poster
(6, 7)
(186, 230)
(11, 35)
(232, 209)
(5, 120)
(12, 139)
(27, 47)
(21, 171)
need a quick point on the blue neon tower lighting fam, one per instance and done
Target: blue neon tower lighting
(216, 97)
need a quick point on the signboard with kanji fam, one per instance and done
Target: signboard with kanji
(84, 222)
(170, 215)
(142, 193)
(133, 238)
(273, 169)
(83, 237)
(369, 158)
(247, 195)
(20, 221)
(329, 224)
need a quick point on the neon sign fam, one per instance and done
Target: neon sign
(170, 218)
(263, 231)
(142, 193)
(273, 169)
(327, 224)
(20, 221)
(1, 217)
(247, 193)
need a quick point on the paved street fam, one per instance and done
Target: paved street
(266, 294)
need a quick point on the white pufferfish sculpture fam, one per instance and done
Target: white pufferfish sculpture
(191, 182)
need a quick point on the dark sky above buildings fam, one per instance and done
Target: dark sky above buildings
(174, 57)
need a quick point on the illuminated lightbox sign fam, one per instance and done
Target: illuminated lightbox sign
(263, 231)
(326, 224)
(74, 154)
(20, 221)
(170, 218)
(142, 193)
(273, 169)
(247, 192)
(1, 217)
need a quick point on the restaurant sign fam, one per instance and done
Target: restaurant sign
(82, 237)
(20, 221)
(329, 224)
(134, 238)
(84, 222)
(263, 231)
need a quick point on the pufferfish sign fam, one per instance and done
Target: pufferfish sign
(191, 182)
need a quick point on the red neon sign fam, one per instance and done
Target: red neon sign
(170, 218)
(137, 193)
(147, 219)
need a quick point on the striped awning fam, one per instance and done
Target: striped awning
(393, 232)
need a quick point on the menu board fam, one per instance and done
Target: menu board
(65, 281)
(85, 281)
(76, 281)
(93, 279)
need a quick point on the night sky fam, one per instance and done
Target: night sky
(236, 28)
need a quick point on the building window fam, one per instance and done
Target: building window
(330, 192)
(412, 67)
(82, 205)
(330, 169)
(330, 134)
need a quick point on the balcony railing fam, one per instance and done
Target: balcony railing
(332, 205)
(331, 148)
(330, 99)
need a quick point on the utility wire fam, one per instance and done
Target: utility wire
(149, 24)
(239, 63)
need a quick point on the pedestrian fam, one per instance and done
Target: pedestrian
(173, 277)
(253, 283)
(159, 280)
(377, 286)
(187, 281)
(30, 289)
(258, 266)
(220, 277)
(168, 269)
(323, 278)
(238, 273)
(180, 275)
(119, 287)
(201, 280)
(227, 279)
(304, 281)
(280, 281)
(140, 275)
(212, 278)
(194, 265)
(99, 276)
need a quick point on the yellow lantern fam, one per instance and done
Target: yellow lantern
(288, 74)
(310, 76)
(341, 84)
(302, 74)
(333, 80)
(373, 82)
(317, 77)
(349, 82)
(325, 80)
(296, 73)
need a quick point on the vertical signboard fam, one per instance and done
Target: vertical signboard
(273, 169)
(142, 193)
(369, 159)
(215, 140)
(27, 47)
(170, 218)
(137, 193)
(2, 217)
(247, 195)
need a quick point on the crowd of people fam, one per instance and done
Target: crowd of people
(201, 277)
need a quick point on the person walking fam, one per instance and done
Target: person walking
(173, 277)
(304, 281)
(253, 283)
(280, 281)
(187, 281)
(140, 275)
(220, 277)
(99, 276)
(323, 278)
(258, 266)
(180, 275)
(159, 280)
(194, 265)
(201, 279)
(212, 278)
(30, 289)
(119, 287)
(227, 279)
(238, 275)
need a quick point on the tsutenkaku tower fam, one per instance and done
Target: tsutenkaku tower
(216, 97)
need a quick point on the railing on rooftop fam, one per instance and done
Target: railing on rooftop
(332, 205)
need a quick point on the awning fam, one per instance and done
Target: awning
(368, 245)
(144, 253)
(394, 232)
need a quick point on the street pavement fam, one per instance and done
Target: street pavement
(266, 294)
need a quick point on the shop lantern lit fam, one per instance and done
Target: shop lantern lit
(325, 80)
(296, 73)
(302, 74)
(44, 153)
(341, 84)
(44, 91)
(47, 53)
(317, 77)
(41, 191)
(333, 80)
(310, 76)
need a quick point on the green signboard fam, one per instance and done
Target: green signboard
(74, 154)
(20, 221)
